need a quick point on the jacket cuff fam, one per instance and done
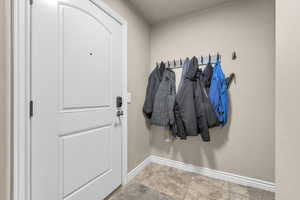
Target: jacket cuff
(205, 138)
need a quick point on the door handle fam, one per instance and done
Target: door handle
(120, 113)
(119, 103)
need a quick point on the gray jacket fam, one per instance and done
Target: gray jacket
(152, 87)
(163, 114)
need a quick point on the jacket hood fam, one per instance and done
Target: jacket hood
(192, 69)
(185, 67)
(186, 64)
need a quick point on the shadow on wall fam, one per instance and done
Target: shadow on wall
(193, 150)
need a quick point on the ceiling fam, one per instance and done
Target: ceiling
(157, 10)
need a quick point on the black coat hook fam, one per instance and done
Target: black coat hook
(218, 57)
(230, 79)
(209, 59)
(234, 56)
(162, 64)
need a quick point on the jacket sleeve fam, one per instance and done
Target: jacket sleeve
(212, 119)
(149, 99)
(171, 105)
(180, 129)
(171, 99)
(202, 125)
(207, 75)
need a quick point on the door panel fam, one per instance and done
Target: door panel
(90, 162)
(86, 59)
(73, 121)
(76, 75)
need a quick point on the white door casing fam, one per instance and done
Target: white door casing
(77, 71)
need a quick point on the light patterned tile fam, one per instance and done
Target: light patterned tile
(239, 189)
(249, 192)
(237, 196)
(210, 181)
(167, 180)
(158, 182)
(139, 192)
(268, 195)
(148, 172)
(205, 190)
(195, 196)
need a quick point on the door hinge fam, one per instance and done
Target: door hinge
(31, 109)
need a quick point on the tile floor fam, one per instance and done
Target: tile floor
(157, 182)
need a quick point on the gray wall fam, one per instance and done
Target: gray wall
(138, 70)
(287, 99)
(246, 145)
(4, 136)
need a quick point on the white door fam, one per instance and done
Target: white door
(76, 75)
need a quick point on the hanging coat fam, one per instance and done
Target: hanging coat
(152, 87)
(211, 116)
(207, 75)
(218, 94)
(185, 113)
(202, 124)
(206, 117)
(163, 113)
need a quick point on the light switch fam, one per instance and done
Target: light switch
(129, 97)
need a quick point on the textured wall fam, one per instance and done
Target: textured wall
(246, 145)
(287, 99)
(138, 70)
(4, 136)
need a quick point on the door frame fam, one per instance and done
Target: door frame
(21, 62)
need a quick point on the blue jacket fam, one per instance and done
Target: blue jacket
(218, 94)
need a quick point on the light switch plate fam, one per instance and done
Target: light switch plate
(129, 97)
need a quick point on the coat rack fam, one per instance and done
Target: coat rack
(212, 59)
(202, 60)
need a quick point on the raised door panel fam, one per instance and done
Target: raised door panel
(72, 122)
(87, 163)
(86, 60)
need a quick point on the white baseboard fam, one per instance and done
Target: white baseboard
(138, 169)
(233, 178)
